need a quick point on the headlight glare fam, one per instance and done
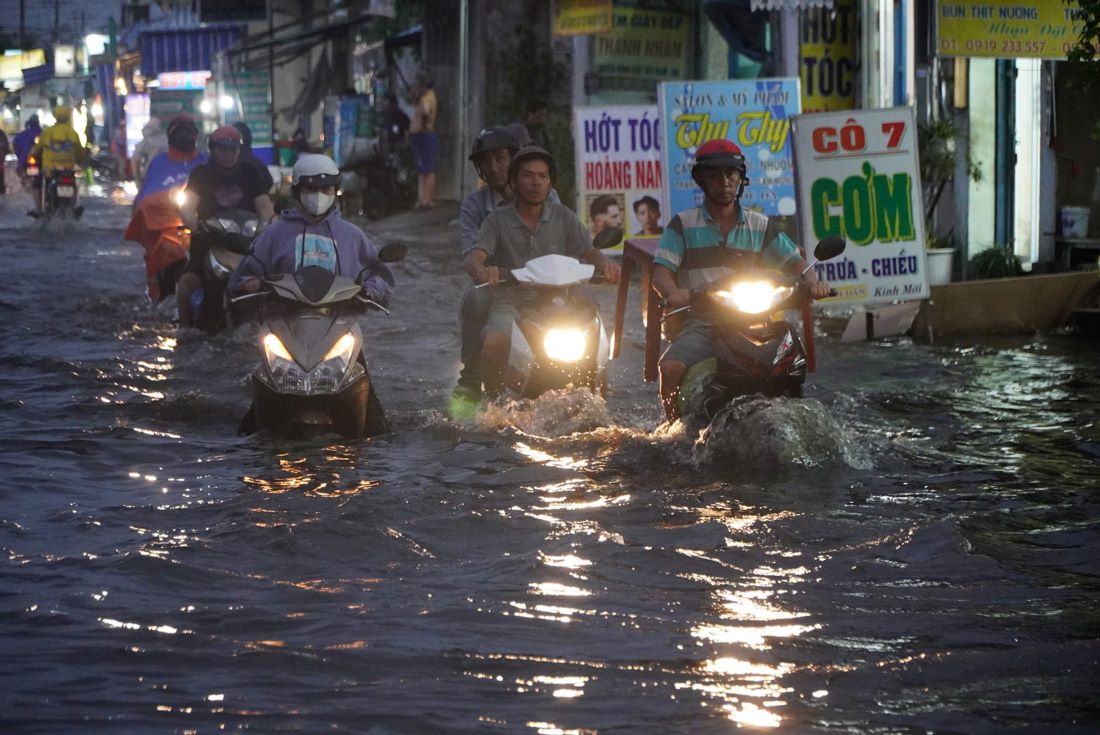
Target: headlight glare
(341, 349)
(753, 297)
(564, 345)
(273, 346)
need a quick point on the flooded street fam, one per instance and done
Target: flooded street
(913, 548)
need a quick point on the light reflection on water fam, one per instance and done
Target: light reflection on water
(558, 567)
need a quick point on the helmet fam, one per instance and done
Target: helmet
(526, 154)
(226, 135)
(719, 153)
(316, 170)
(62, 114)
(519, 132)
(181, 120)
(491, 139)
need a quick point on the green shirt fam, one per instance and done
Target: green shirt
(510, 243)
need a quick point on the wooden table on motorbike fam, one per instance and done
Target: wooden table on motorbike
(639, 253)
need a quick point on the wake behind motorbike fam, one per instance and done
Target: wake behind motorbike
(558, 337)
(313, 369)
(756, 349)
(229, 235)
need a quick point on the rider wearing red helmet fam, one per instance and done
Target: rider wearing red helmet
(212, 187)
(710, 242)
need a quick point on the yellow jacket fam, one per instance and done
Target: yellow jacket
(58, 147)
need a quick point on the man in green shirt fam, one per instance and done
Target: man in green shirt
(527, 228)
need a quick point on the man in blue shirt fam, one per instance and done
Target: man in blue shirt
(704, 244)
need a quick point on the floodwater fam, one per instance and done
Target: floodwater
(913, 548)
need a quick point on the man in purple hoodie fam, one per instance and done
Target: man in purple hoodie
(314, 233)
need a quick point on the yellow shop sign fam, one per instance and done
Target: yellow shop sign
(1039, 29)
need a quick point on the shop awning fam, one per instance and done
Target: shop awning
(184, 49)
(37, 74)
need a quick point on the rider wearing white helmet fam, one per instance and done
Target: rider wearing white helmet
(314, 234)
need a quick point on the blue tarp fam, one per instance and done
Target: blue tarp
(184, 49)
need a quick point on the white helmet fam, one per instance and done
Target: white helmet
(316, 170)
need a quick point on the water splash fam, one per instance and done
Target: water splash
(554, 413)
(754, 431)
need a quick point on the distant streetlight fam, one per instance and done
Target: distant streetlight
(227, 102)
(205, 107)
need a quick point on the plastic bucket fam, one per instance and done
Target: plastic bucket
(1075, 222)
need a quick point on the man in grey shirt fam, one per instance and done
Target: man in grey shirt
(492, 154)
(528, 228)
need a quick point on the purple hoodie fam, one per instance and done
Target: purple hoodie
(293, 242)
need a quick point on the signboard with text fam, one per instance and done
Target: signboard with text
(619, 169)
(753, 113)
(1037, 29)
(582, 17)
(644, 45)
(251, 91)
(858, 177)
(827, 46)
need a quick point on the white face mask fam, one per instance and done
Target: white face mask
(317, 202)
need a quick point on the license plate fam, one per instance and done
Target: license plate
(32, 170)
(66, 191)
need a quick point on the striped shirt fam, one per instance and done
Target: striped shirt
(691, 247)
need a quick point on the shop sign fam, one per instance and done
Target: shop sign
(252, 90)
(753, 113)
(137, 114)
(13, 64)
(1039, 29)
(182, 79)
(619, 159)
(858, 177)
(644, 45)
(582, 17)
(828, 57)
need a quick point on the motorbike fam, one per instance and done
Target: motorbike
(58, 192)
(558, 338)
(756, 349)
(156, 225)
(230, 234)
(313, 369)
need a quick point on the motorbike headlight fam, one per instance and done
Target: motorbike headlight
(274, 348)
(564, 345)
(179, 196)
(325, 377)
(754, 297)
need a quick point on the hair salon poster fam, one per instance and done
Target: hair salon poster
(753, 113)
(619, 170)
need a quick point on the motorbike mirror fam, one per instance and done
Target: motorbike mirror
(830, 247)
(607, 238)
(393, 252)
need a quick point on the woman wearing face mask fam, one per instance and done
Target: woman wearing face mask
(314, 233)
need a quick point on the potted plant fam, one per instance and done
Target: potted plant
(936, 141)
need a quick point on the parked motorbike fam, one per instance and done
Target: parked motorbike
(230, 234)
(313, 369)
(558, 339)
(156, 225)
(757, 350)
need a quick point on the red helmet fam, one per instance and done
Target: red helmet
(719, 153)
(226, 135)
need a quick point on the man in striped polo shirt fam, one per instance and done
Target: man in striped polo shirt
(707, 243)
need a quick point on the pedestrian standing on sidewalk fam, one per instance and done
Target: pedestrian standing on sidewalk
(424, 142)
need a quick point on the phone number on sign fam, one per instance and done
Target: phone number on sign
(1008, 47)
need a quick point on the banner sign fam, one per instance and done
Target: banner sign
(753, 113)
(582, 17)
(829, 62)
(619, 169)
(252, 93)
(1037, 29)
(858, 177)
(644, 45)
